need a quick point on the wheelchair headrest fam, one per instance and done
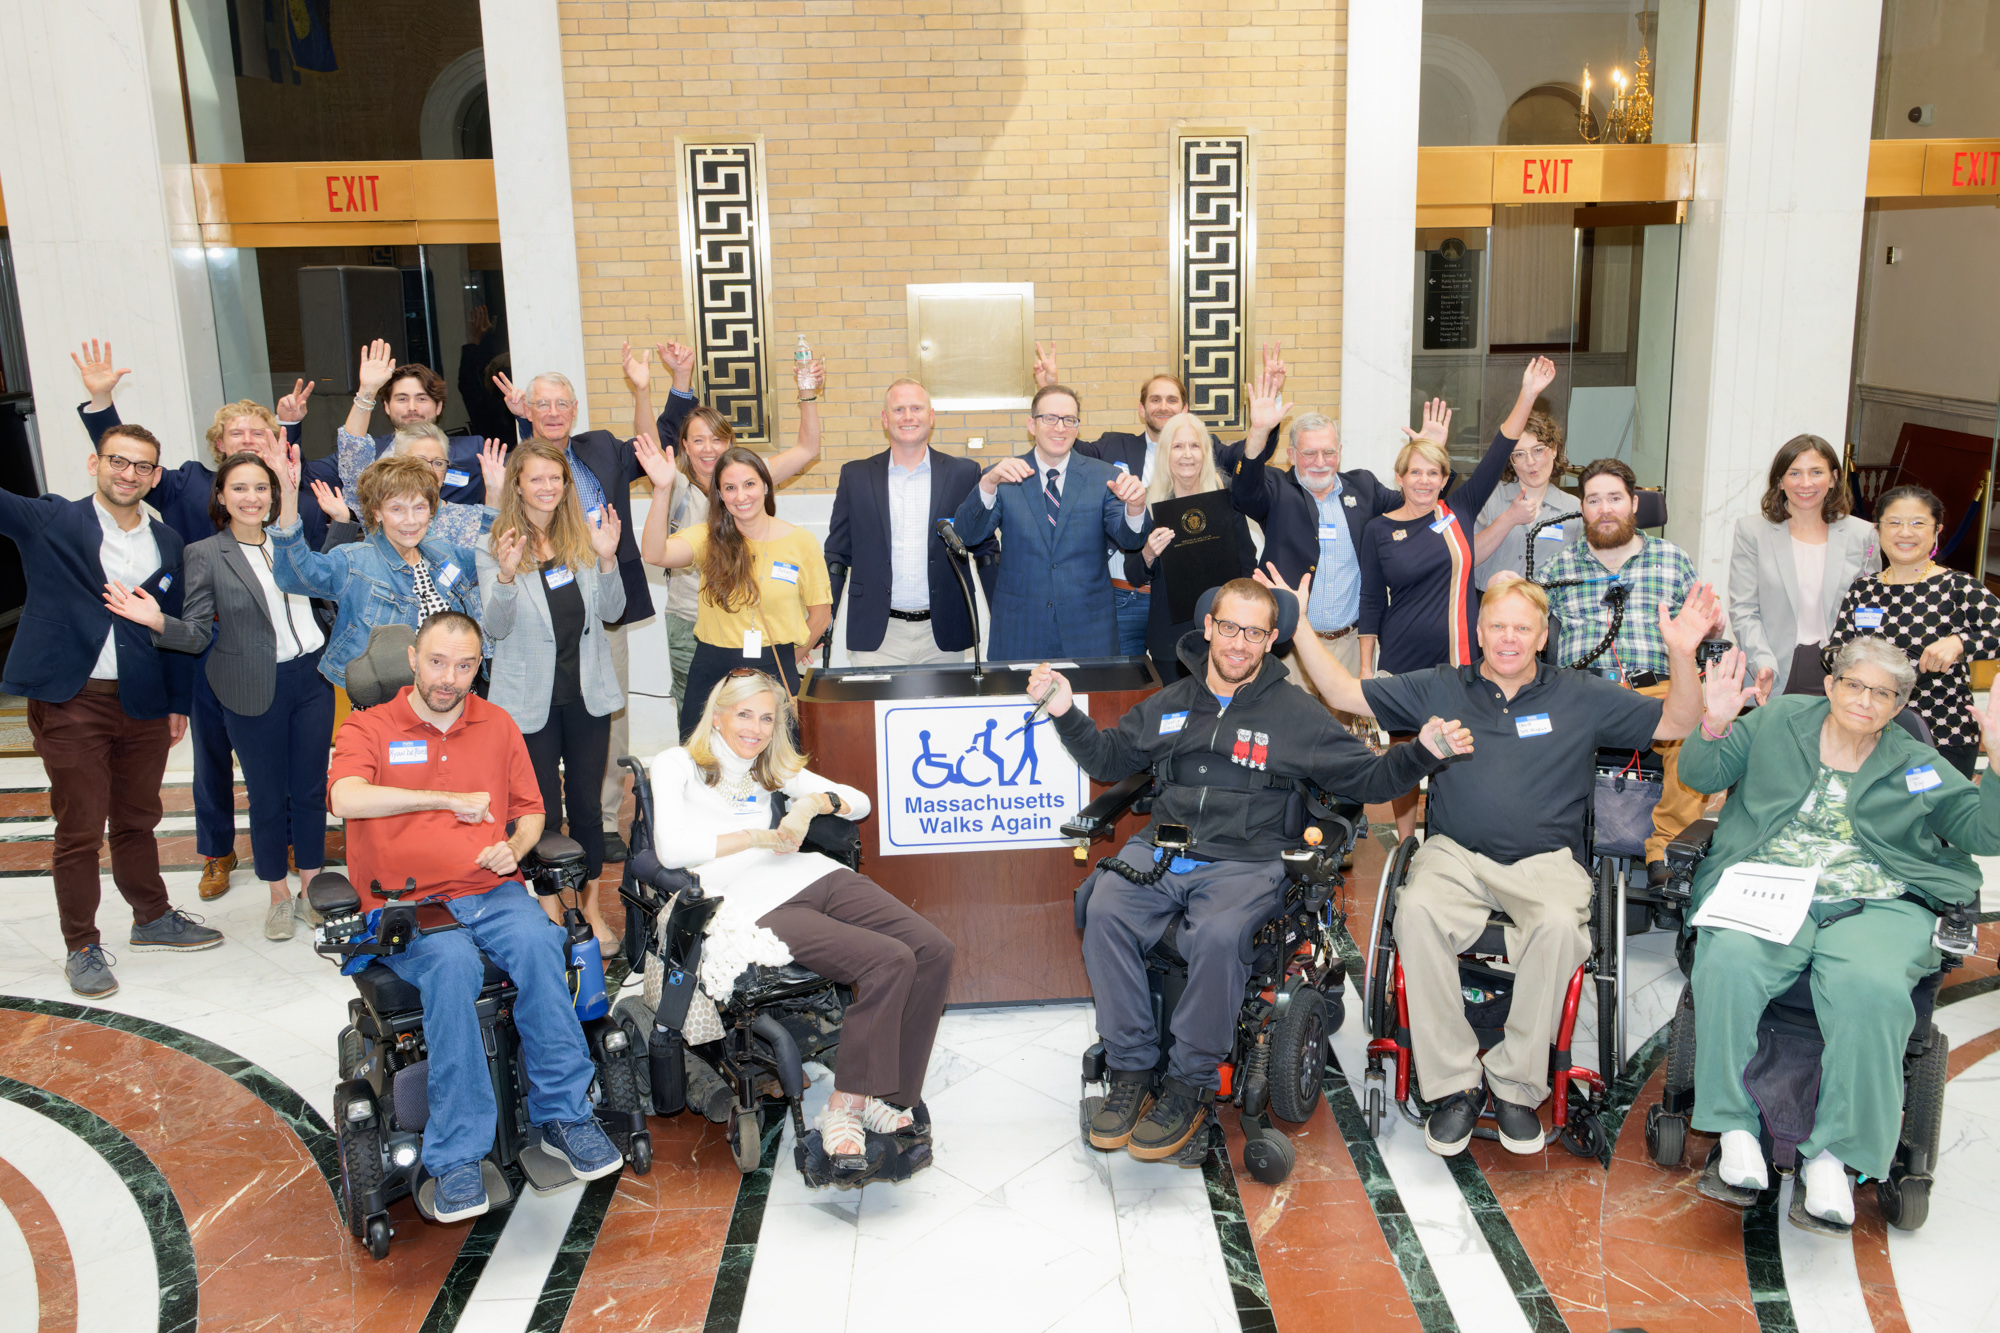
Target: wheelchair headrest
(1912, 721)
(1651, 509)
(1288, 612)
(383, 668)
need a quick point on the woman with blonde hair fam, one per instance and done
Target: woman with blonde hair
(1186, 467)
(733, 805)
(549, 582)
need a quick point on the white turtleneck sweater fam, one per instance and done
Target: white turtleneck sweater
(690, 816)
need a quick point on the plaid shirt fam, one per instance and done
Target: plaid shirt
(1660, 572)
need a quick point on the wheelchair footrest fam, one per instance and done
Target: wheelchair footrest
(498, 1192)
(892, 1159)
(546, 1169)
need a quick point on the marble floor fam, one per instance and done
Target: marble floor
(165, 1162)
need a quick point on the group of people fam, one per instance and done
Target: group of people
(512, 570)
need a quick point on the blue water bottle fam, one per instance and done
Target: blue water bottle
(586, 968)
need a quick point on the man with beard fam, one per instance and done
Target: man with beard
(1652, 571)
(1228, 746)
(427, 784)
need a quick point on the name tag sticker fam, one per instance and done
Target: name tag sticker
(166, 582)
(409, 752)
(447, 576)
(1123, 467)
(784, 573)
(1532, 724)
(1551, 534)
(559, 577)
(1329, 532)
(1868, 617)
(1442, 522)
(1922, 778)
(456, 476)
(1172, 722)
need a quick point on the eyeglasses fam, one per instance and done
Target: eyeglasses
(1908, 524)
(559, 404)
(1068, 423)
(434, 464)
(1854, 689)
(120, 463)
(1229, 629)
(1318, 455)
(1530, 455)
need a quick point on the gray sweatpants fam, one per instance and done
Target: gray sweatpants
(1224, 902)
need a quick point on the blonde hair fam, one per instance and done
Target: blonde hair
(568, 531)
(1505, 585)
(1429, 450)
(779, 762)
(228, 412)
(1162, 486)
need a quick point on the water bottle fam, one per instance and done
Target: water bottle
(586, 968)
(802, 369)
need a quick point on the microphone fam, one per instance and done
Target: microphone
(949, 536)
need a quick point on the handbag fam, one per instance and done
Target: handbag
(1627, 787)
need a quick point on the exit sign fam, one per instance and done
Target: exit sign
(1558, 174)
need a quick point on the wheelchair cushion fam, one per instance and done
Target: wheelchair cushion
(386, 993)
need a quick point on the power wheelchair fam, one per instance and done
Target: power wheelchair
(382, 1100)
(1292, 1004)
(734, 1057)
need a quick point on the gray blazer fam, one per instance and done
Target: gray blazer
(1764, 585)
(524, 641)
(223, 599)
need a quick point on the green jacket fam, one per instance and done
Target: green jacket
(1771, 759)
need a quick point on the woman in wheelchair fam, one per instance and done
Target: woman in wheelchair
(714, 815)
(1829, 783)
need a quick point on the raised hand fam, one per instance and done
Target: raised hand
(99, 378)
(135, 605)
(293, 406)
(1445, 739)
(1049, 685)
(1274, 363)
(638, 366)
(1539, 375)
(288, 467)
(1765, 680)
(1156, 544)
(493, 468)
(1437, 423)
(1723, 692)
(1524, 511)
(679, 358)
(376, 367)
(332, 503)
(604, 533)
(508, 547)
(1006, 470)
(1683, 633)
(1267, 405)
(1271, 578)
(1988, 719)
(515, 399)
(1129, 489)
(658, 462)
(1045, 366)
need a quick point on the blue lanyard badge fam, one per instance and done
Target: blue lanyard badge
(447, 575)
(1868, 617)
(456, 476)
(409, 752)
(1172, 722)
(1532, 724)
(559, 577)
(1444, 521)
(784, 573)
(1921, 778)
(166, 582)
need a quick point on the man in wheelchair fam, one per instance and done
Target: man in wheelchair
(1228, 746)
(1506, 833)
(427, 784)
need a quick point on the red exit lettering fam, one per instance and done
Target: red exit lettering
(1974, 169)
(359, 193)
(1546, 175)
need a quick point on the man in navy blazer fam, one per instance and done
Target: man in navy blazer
(904, 604)
(1058, 508)
(104, 703)
(410, 395)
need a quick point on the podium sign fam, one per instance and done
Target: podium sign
(961, 775)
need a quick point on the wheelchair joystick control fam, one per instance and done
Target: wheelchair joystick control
(1956, 932)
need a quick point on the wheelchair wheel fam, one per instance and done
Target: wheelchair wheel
(746, 1140)
(1584, 1134)
(635, 1020)
(1381, 941)
(1905, 1200)
(353, 1050)
(377, 1239)
(360, 1150)
(621, 1097)
(1680, 1044)
(640, 1154)
(1666, 1136)
(1378, 1103)
(1298, 1056)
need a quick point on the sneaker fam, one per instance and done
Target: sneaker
(215, 876)
(1448, 1128)
(585, 1146)
(1520, 1128)
(1177, 1113)
(176, 931)
(89, 972)
(1128, 1095)
(281, 920)
(460, 1193)
(615, 850)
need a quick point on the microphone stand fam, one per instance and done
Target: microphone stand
(826, 645)
(957, 548)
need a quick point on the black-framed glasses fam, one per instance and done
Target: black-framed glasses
(137, 467)
(1069, 423)
(1229, 629)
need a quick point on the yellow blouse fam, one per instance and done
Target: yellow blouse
(791, 576)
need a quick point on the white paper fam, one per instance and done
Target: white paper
(1769, 902)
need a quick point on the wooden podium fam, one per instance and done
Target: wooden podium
(1008, 911)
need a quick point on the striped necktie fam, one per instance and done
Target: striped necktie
(1054, 495)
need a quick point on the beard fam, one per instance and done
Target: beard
(442, 698)
(1220, 666)
(1602, 541)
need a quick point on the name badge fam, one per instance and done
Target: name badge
(447, 576)
(1922, 778)
(1550, 534)
(409, 752)
(1329, 532)
(1532, 724)
(1443, 521)
(456, 476)
(753, 643)
(1868, 617)
(1172, 722)
(559, 577)
(784, 573)
(1123, 467)
(166, 582)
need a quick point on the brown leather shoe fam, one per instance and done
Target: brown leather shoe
(215, 876)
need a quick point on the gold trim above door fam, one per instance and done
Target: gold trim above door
(253, 204)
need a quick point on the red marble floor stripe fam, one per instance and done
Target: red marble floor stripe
(1965, 1057)
(268, 1240)
(55, 1270)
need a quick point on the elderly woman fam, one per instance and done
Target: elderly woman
(1189, 470)
(713, 800)
(398, 575)
(1832, 783)
(460, 524)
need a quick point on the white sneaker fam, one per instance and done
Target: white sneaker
(1742, 1162)
(1829, 1193)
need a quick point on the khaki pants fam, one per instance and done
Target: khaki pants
(614, 776)
(1680, 805)
(905, 643)
(1441, 911)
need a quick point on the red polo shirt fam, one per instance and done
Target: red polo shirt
(390, 746)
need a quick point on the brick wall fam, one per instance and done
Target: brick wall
(954, 141)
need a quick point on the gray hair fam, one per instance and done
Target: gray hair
(1882, 655)
(422, 430)
(553, 377)
(1313, 421)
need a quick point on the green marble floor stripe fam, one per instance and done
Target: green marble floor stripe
(559, 1288)
(455, 1292)
(1239, 1250)
(739, 1246)
(173, 1247)
(1764, 1263)
(1530, 1292)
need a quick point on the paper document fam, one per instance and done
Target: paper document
(1769, 902)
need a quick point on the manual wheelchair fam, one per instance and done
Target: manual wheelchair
(382, 1100)
(1293, 1002)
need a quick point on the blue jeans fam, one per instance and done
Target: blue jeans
(1132, 609)
(509, 925)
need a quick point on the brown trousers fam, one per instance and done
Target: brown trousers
(849, 929)
(104, 767)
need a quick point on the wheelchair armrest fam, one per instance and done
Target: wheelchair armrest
(1095, 820)
(331, 895)
(1684, 854)
(836, 837)
(555, 865)
(646, 868)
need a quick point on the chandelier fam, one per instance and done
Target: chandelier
(1630, 119)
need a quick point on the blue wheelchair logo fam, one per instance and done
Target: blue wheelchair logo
(989, 765)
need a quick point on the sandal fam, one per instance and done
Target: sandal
(843, 1134)
(882, 1118)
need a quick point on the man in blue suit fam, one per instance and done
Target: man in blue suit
(104, 703)
(1057, 508)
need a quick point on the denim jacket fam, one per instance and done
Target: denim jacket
(370, 585)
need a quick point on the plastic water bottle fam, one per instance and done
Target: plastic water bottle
(802, 369)
(586, 967)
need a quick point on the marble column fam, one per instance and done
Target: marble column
(531, 173)
(1770, 254)
(100, 218)
(1378, 223)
